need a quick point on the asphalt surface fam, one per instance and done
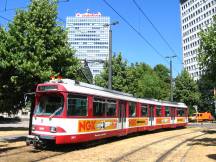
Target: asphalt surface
(13, 138)
(15, 124)
(208, 125)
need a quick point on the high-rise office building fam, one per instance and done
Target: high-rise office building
(195, 15)
(89, 36)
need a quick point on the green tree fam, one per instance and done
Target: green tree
(186, 90)
(207, 52)
(32, 49)
(119, 74)
(149, 86)
(147, 81)
(207, 62)
(138, 79)
(206, 89)
(164, 74)
(135, 74)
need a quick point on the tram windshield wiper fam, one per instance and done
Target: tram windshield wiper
(56, 111)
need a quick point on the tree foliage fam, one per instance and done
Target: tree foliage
(33, 48)
(207, 52)
(149, 86)
(119, 74)
(206, 88)
(207, 62)
(145, 82)
(186, 90)
(142, 81)
(138, 79)
(135, 74)
(164, 74)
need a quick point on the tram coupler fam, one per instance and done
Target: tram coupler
(35, 141)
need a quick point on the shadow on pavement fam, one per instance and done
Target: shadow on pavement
(17, 139)
(4, 120)
(205, 141)
(8, 149)
(212, 156)
(11, 139)
(13, 128)
(210, 131)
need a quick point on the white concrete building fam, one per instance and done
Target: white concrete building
(195, 15)
(90, 38)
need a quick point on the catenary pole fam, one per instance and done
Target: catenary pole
(110, 53)
(171, 76)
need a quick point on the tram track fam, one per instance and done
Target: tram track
(185, 154)
(35, 154)
(67, 148)
(167, 153)
(87, 145)
(44, 158)
(41, 155)
(186, 151)
(53, 151)
(3, 150)
(124, 156)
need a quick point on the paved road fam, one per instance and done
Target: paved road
(203, 125)
(21, 124)
(13, 138)
(18, 130)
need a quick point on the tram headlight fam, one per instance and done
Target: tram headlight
(33, 128)
(53, 129)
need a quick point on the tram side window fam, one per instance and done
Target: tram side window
(167, 111)
(99, 107)
(180, 112)
(144, 110)
(77, 105)
(158, 111)
(132, 109)
(111, 108)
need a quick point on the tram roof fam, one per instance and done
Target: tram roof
(84, 88)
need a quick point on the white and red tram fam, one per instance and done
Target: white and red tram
(67, 111)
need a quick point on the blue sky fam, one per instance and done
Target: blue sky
(165, 15)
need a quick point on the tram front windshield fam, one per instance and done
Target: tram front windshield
(50, 104)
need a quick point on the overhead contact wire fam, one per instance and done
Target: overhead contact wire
(156, 29)
(136, 31)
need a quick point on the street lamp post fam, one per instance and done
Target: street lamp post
(110, 53)
(171, 79)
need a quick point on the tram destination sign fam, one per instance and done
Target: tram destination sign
(48, 88)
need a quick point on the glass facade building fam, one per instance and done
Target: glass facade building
(89, 36)
(195, 15)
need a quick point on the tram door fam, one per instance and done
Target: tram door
(172, 115)
(122, 115)
(151, 114)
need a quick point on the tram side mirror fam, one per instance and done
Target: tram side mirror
(25, 99)
(27, 96)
